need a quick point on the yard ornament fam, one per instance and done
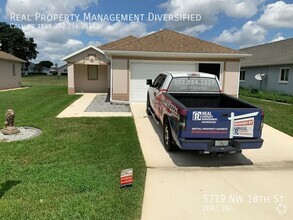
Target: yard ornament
(9, 127)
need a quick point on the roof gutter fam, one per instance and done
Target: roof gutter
(111, 53)
(267, 64)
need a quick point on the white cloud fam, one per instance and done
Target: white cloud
(117, 30)
(51, 44)
(49, 33)
(241, 8)
(54, 46)
(277, 15)
(278, 37)
(94, 43)
(46, 6)
(209, 10)
(56, 51)
(250, 34)
(197, 29)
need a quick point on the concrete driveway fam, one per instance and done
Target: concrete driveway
(257, 184)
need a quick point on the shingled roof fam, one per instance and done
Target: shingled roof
(171, 41)
(116, 43)
(275, 53)
(7, 56)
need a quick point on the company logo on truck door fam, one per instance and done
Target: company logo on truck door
(204, 117)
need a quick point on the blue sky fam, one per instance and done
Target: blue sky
(231, 23)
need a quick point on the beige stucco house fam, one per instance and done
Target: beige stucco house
(122, 67)
(10, 71)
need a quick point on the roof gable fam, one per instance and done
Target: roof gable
(274, 53)
(171, 41)
(7, 56)
(82, 50)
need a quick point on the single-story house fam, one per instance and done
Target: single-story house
(123, 66)
(274, 61)
(10, 71)
(34, 68)
(62, 70)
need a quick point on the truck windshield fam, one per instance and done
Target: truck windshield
(192, 84)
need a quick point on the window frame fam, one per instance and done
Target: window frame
(242, 71)
(13, 70)
(97, 72)
(280, 75)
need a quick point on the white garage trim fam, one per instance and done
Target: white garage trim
(138, 88)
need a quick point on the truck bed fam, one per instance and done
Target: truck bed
(207, 101)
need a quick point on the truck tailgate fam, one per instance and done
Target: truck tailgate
(223, 123)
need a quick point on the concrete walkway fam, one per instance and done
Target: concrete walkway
(78, 109)
(8, 90)
(185, 185)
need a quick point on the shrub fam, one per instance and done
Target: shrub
(268, 95)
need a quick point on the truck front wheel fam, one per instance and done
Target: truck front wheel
(148, 106)
(168, 139)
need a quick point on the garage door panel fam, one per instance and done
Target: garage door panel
(141, 71)
(139, 89)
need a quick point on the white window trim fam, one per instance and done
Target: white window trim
(280, 75)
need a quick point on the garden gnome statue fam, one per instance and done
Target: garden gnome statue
(9, 127)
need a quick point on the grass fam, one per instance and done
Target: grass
(43, 80)
(267, 95)
(72, 170)
(277, 115)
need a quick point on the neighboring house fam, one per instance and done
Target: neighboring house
(53, 70)
(31, 68)
(62, 70)
(275, 60)
(35, 69)
(10, 71)
(123, 66)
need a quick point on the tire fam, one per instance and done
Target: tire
(148, 106)
(168, 139)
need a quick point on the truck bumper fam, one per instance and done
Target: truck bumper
(209, 145)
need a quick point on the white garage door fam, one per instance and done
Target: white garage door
(142, 71)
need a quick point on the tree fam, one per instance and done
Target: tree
(46, 63)
(13, 41)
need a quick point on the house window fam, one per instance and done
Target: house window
(242, 75)
(13, 70)
(93, 72)
(284, 75)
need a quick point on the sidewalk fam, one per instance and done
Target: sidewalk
(78, 109)
(7, 90)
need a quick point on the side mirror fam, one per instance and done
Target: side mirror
(149, 82)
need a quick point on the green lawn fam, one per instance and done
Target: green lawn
(72, 170)
(44, 80)
(279, 116)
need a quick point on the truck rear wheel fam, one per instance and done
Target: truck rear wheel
(168, 139)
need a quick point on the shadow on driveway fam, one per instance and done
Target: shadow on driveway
(183, 158)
